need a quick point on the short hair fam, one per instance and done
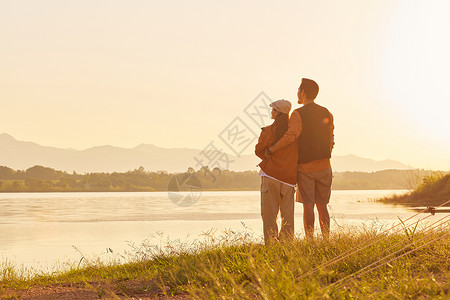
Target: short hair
(310, 87)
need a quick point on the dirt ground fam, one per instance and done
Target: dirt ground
(131, 289)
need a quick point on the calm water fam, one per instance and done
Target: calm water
(42, 230)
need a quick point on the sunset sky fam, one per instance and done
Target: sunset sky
(78, 74)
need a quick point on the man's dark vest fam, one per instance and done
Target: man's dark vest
(315, 139)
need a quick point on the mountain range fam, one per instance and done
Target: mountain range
(21, 155)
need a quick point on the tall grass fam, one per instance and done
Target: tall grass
(234, 266)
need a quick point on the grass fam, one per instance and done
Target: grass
(432, 191)
(235, 266)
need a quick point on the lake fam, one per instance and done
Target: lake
(41, 231)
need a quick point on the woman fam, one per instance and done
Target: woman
(278, 175)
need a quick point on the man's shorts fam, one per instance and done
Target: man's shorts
(315, 187)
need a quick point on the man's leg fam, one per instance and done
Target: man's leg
(287, 212)
(324, 219)
(323, 193)
(306, 188)
(270, 204)
(308, 220)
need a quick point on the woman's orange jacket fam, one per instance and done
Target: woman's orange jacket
(282, 164)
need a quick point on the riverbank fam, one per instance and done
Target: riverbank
(433, 191)
(410, 264)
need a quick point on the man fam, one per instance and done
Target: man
(312, 126)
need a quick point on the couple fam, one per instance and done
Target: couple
(296, 150)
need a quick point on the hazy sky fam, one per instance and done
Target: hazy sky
(176, 73)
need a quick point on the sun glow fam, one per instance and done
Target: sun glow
(418, 64)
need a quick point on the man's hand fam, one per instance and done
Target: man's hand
(267, 153)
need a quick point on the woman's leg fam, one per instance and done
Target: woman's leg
(270, 204)
(287, 212)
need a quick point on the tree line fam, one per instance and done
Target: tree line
(44, 179)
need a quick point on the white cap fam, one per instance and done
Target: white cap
(282, 106)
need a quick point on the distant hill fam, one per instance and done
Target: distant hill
(21, 155)
(359, 164)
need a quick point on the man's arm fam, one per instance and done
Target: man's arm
(331, 132)
(293, 132)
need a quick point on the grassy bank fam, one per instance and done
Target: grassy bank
(433, 191)
(233, 267)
